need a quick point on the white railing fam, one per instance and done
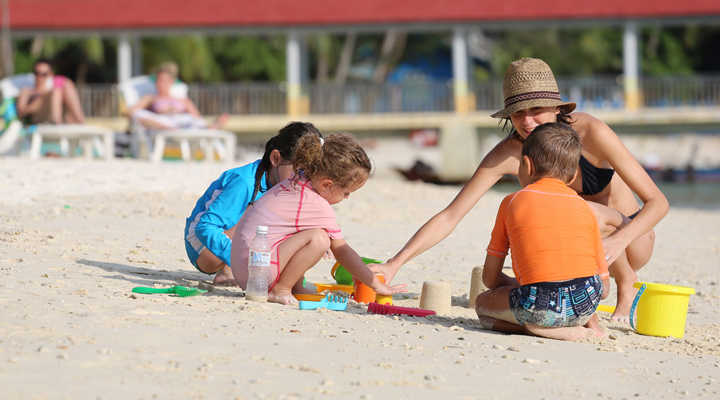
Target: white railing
(595, 93)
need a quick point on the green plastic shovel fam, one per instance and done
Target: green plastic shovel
(181, 291)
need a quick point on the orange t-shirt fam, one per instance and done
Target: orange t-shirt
(552, 232)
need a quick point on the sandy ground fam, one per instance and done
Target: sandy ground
(77, 236)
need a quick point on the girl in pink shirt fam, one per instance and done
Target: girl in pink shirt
(300, 220)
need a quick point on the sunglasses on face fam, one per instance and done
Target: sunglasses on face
(41, 73)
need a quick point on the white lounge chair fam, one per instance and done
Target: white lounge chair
(151, 143)
(90, 138)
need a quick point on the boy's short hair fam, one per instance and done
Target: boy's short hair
(555, 150)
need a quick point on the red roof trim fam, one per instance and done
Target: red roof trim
(123, 14)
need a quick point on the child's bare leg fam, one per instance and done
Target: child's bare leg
(609, 220)
(299, 288)
(594, 324)
(495, 304)
(571, 333)
(298, 254)
(499, 325)
(592, 329)
(566, 333)
(493, 309)
(209, 263)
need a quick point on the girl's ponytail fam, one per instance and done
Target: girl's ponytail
(309, 157)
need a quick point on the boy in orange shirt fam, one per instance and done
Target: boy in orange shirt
(557, 256)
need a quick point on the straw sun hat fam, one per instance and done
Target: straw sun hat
(528, 83)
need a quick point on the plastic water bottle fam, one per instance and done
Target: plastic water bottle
(258, 267)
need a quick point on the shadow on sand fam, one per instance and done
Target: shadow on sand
(140, 276)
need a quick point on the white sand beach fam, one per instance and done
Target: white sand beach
(76, 236)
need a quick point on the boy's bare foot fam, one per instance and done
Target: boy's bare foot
(487, 322)
(626, 296)
(593, 326)
(225, 277)
(282, 296)
(569, 333)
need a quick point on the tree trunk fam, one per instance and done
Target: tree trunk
(345, 58)
(81, 73)
(7, 54)
(36, 48)
(323, 49)
(390, 52)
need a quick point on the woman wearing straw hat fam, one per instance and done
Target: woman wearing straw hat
(607, 178)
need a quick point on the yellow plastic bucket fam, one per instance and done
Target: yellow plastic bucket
(380, 299)
(661, 309)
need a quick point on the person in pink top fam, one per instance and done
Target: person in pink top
(162, 111)
(300, 220)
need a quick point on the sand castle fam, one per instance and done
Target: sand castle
(436, 296)
(476, 286)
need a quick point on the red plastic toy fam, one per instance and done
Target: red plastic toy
(375, 308)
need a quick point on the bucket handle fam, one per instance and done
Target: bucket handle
(334, 268)
(634, 305)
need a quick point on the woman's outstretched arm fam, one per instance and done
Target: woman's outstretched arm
(501, 160)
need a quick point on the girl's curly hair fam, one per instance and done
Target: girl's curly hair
(340, 157)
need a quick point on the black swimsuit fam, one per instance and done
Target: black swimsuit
(594, 179)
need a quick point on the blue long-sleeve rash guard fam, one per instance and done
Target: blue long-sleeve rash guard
(220, 208)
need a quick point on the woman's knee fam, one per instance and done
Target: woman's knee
(640, 251)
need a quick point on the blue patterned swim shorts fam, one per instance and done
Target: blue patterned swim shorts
(557, 304)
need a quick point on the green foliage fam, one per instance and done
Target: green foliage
(567, 52)
(427, 45)
(580, 52)
(665, 51)
(23, 59)
(193, 55)
(250, 58)
(70, 57)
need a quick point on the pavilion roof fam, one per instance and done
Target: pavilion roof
(113, 15)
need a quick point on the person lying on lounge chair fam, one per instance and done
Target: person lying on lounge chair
(162, 111)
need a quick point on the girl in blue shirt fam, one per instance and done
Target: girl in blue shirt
(211, 225)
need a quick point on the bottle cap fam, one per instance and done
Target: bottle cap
(262, 229)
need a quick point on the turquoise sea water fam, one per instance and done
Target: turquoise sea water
(705, 196)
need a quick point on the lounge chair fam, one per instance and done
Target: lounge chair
(90, 138)
(151, 143)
